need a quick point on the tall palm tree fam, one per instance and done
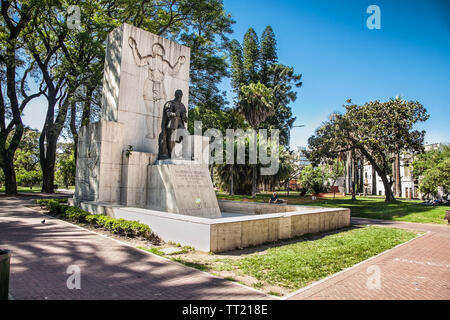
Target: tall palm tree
(256, 103)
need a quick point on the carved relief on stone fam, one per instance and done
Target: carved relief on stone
(154, 92)
(89, 173)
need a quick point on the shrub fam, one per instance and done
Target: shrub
(76, 214)
(55, 207)
(116, 226)
(92, 219)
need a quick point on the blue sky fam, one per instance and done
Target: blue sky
(340, 58)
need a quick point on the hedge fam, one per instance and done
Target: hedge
(116, 226)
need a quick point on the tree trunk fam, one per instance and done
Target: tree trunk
(361, 176)
(255, 168)
(387, 188)
(353, 175)
(374, 181)
(48, 159)
(398, 182)
(73, 129)
(10, 176)
(231, 180)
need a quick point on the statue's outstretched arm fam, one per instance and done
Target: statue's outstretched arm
(140, 61)
(173, 70)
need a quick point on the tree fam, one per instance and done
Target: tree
(65, 165)
(269, 55)
(255, 78)
(252, 64)
(251, 57)
(26, 159)
(433, 169)
(312, 179)
(378, 130)
(70, 61)
(289, 168)
(335, 170)
(256, 103)
(15, 69)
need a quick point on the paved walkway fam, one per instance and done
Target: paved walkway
(41, 254)
(419, 269)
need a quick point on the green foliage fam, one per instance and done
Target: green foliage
(116, 226)
(312, 179)
(268, 51)
(377, 130)
(334, 170)
(65, 165)
(252, 63)
(15, 70)
(256, 103)
(54, 206)
(26, 159)
(251, 56)
(433, 168)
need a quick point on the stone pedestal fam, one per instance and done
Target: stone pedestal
(179, 186)
(99, 160)
(134, 178)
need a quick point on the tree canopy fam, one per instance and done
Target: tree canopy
(433, 170)
(378, 130)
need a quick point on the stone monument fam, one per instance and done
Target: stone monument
(118, 156)
(139, 163)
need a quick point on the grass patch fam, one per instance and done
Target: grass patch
(153, 250)
(296, 265)
(400, 210)
(366, 207)
(196, 265)
(23, 189)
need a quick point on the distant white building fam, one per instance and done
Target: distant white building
(409, 184)
(303, 160)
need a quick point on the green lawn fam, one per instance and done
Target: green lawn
(366, 207)
(296, 265)
(23, 189)
(285, 266)
(34, 189)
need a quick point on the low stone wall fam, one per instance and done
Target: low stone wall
(270, 227)
(253, 207)
(228, 233)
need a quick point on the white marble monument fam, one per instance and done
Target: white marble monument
(117, 156)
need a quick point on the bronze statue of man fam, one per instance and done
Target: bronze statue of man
(174, 117)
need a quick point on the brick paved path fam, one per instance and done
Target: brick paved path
(419, 269)
(41, 254)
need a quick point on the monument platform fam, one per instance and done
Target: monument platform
(248, 224)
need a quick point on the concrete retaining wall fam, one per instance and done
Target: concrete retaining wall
(223, 234)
